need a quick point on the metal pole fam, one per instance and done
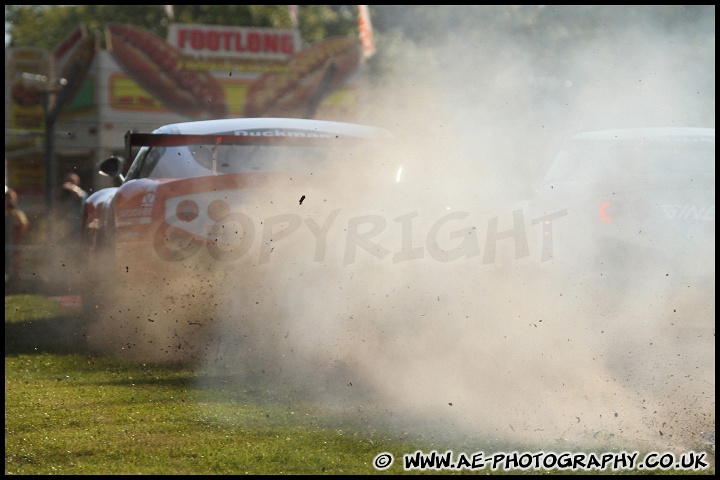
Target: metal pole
(49, 155)
(50, 95)
(50, 165)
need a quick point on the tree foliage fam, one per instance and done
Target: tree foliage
(46, 25)
(558, 41)
(548, 26)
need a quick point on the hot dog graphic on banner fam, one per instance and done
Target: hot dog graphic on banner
(205, 71)
(310, 75)
(159, 68)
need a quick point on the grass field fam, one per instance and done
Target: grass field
(68, 411)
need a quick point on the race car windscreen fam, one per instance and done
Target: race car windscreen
(204, 160)
(598, 161)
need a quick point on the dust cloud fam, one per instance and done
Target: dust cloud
(404, 312)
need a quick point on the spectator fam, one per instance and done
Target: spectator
(16, 225)
(69, 208)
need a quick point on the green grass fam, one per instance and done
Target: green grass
(28, 308)
(76, 414)
(81, 413)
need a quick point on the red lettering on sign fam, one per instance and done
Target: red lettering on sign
(253, 42)
(234, 41)
(197, 42)
(239, 47)
(271, 40)
(287, 44)
(213, 40)
(227, 36)
(182, 34)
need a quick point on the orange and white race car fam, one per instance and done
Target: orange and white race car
(205, 195)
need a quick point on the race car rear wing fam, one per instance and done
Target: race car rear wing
(260, 137)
